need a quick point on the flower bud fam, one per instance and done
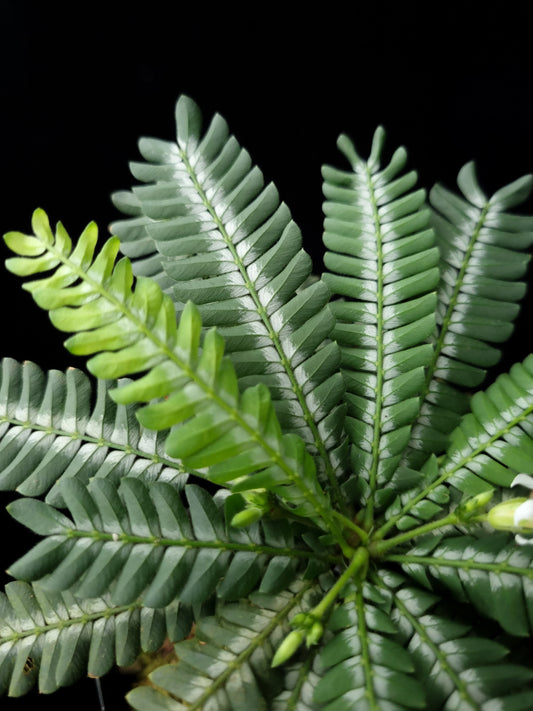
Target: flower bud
(257, 497)
(299, 620)
(502, 516)
(477, 502)
(314, 634)
(288, 647)
(246, 517)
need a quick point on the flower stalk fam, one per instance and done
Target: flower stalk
(309, 625)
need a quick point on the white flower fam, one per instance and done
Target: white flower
(515, 514)
(523, 515)
(523, 480)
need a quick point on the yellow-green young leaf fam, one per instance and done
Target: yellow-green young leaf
(51, 296)
(25, 245)
(121, 280)
(198, 433)
(213, 233)
(133, 331)
(156, 383)
(25, 266)
(83, 252)
(189, 331)
(111, 337)
(212, 352)
(136, 358)
(91, 314)
(63, 241)
(41, 226)
(102, 266)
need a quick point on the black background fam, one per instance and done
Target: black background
(450, 81)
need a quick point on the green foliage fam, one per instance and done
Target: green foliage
(285, 477)
(51, 432)
(53, 638)
(153, 547)
(382, 259)
(481, 261)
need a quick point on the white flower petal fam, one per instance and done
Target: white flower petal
(523, 516)
(523, 541)
(523, 480)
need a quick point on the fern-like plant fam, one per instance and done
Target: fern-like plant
(285, 477)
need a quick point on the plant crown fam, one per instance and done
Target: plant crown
(288, 481)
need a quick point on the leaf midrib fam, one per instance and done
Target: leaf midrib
(99, 441)
(157, 541)
(463, 564)
(455, 295)
(83, 619)
(369, 514)
(366, 660)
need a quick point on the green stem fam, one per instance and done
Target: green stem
(85, 618)
(378, 547)
(366, 660)
(358, 562)
(305, 623)
(126, 538)
(348, 523)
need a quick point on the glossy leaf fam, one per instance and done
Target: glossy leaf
(228, 663)
(381, 259)
(483, 261)
(50, 432)
(494, 442)
(458, 669)
(147, 543)
(363, 665)
(491, 573)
